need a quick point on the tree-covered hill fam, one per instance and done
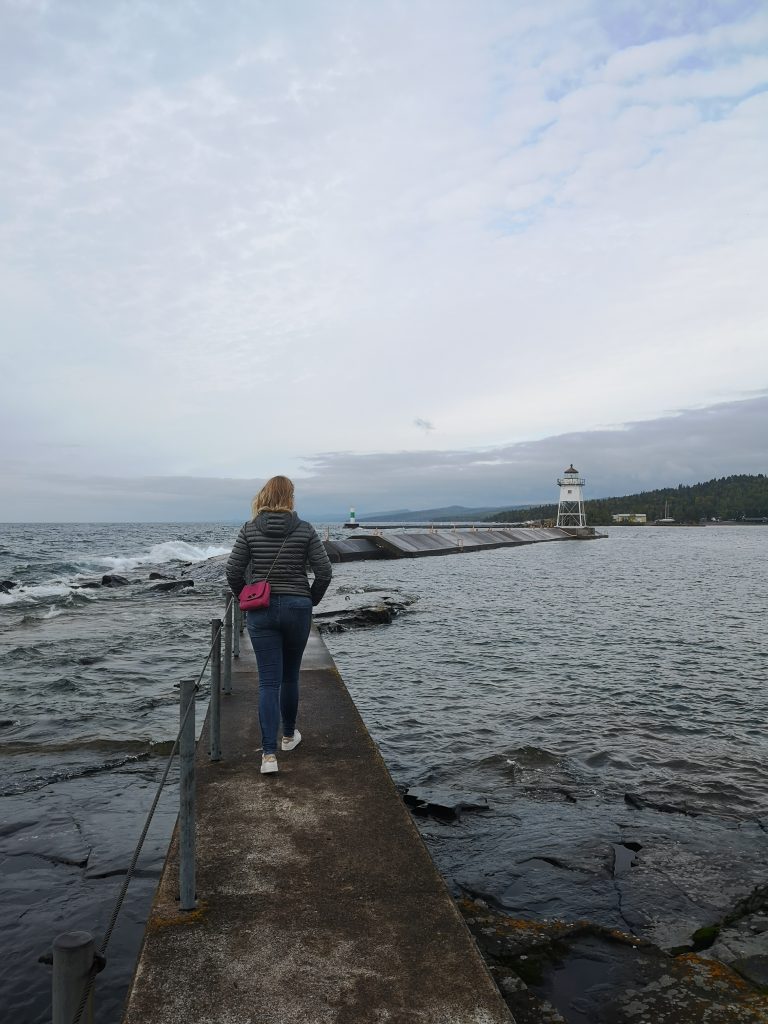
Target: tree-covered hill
(729, 497)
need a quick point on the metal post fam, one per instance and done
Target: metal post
(214, 744)
(237, 631)
(227, 652)
(187, 797)
(72, 964)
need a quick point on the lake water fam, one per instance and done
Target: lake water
(549, 682)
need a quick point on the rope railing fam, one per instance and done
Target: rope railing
(75, 959)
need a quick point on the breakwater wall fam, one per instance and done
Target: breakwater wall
(423, 543)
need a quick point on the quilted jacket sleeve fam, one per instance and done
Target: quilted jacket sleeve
(237, 563)
(320, 564)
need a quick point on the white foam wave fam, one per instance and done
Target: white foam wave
(40, 592)
(169, 551)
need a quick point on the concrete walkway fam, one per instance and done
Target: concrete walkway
(318, 901)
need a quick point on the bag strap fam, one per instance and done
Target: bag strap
(276, 558)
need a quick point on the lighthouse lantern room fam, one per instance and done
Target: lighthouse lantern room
(570, 508)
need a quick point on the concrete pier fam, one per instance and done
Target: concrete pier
(445, 541)
(318, 902)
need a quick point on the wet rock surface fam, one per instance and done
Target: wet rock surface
(356, 608)
(741, 938)
(582, 973)
(443, 806)
(211, 570)
(172, 586)
(610, 911)
(64, 852)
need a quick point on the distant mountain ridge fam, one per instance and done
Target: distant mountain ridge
(433, 515)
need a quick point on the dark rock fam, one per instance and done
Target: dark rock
(376, 615)
(754, 969)
(445, 806)
(89, 585)
(361, 607)
(210, 570)
(704, 937)
(741, 934)
(56, 841)
(114, 581)
(754, 903)
(640, 803)
(588, 972)
(624, 857)
(159, 576)
(6, 586)
(173, 585)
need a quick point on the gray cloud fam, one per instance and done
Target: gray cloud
(317, 205)
(425, 425)
(685, 447)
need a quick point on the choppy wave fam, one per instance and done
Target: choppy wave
(20, 786)
(41, 593)
(169, 551)
(49, 758)
(66, 590)
(93, 743)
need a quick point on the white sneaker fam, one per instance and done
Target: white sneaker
(268, 764)
(293, 742)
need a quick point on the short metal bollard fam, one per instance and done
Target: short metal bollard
(226, 683)
(214, 739)
(73, 959)
(238, 629)
(187, 797)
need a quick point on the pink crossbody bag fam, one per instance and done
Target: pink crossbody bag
(257, 595)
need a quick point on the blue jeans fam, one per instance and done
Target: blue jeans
(279, 635)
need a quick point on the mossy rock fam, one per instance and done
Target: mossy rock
(705, 937)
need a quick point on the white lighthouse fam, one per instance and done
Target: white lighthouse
(570, 508)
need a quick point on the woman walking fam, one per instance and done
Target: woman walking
(275, 543)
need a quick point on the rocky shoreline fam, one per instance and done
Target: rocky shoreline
(607, 976)
(591, 911)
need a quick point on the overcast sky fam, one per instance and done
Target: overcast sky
(411, 253)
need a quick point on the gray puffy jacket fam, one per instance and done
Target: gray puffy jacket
(257, 547)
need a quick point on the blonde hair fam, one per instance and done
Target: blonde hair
(275, 496)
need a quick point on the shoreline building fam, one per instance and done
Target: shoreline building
(570, 508)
